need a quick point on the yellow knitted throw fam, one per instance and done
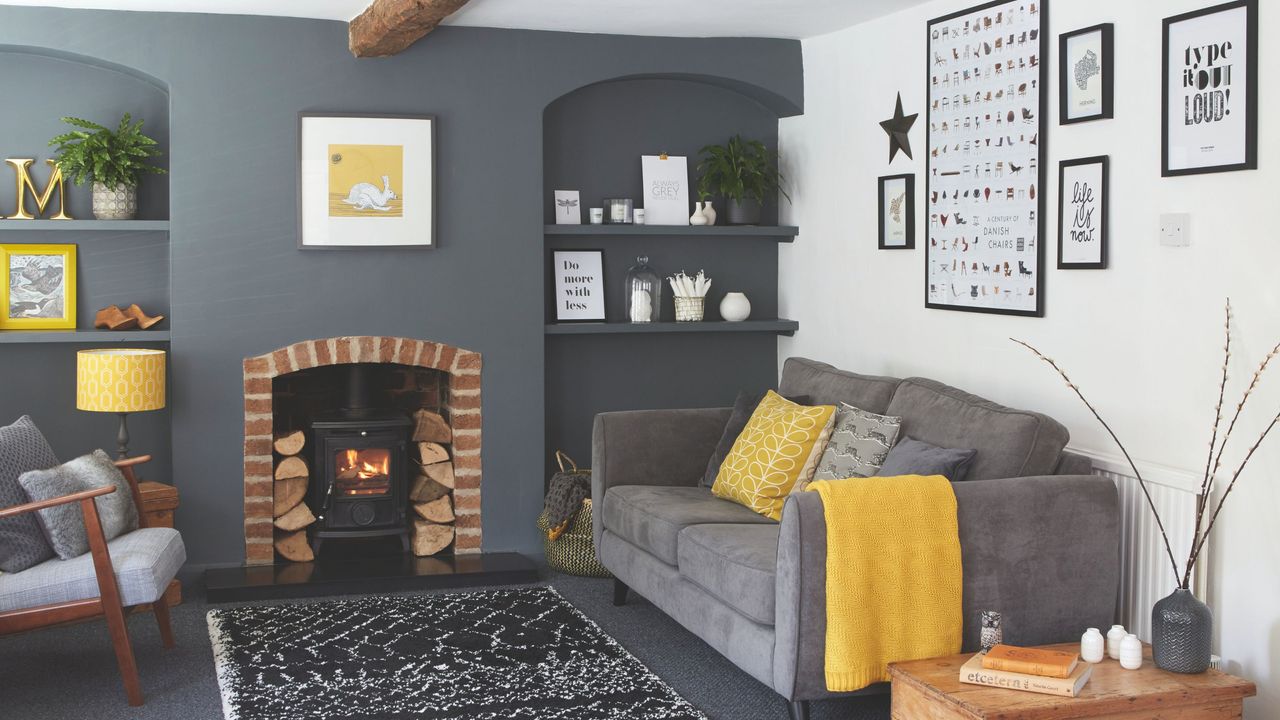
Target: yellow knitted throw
(894, 578)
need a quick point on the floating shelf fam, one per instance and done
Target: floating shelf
(783, 233)
(781, 327)
(83, 337)
(86, 225)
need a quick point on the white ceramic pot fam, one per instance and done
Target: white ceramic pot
(117, 203)
(1114, 637)
(697, 218)
(735, 307)
(1093, 647)
(1131, 652)
(709, 212)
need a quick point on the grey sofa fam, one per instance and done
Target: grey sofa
(1039, 534)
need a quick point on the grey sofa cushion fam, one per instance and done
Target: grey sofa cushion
(735, 563)
(64, 524)
(144, 562)
(912, 457)
(22, 542)
(651, 518)
(826, 385)
(743, 408)
(1010, 443)
(860, 442)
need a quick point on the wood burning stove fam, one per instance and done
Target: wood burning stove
(361, 470)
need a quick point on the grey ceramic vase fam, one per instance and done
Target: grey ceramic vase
(744, 212)
(1181, 633)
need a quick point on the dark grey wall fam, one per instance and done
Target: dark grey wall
(239, 286)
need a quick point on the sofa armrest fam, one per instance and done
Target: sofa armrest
(1043, 551)
(651, 447)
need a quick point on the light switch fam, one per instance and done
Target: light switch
(1175, 229)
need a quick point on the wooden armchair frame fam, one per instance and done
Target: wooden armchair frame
(107, 603)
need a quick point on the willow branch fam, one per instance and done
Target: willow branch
(1257, 376)
(1141, 483)
(1202, 497)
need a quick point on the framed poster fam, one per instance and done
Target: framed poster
(578, 285)
(897, 211)
(568, 208)
(366, 181)
(666, 189)
(1210, 90)
(985, 195)
(1085, 75)
(39, 292)
(1082, 213)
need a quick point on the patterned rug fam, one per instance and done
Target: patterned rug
(524, 653)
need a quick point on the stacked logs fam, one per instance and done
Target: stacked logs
(431, 492)
(292, 516)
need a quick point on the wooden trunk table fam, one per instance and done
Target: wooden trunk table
(931, 690)
(158, 503)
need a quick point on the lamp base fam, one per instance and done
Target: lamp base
(122, 437)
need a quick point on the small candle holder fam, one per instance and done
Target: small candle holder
(618, 211)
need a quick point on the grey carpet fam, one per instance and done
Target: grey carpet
(71, 672)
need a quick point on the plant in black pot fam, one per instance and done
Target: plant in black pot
(113, 160)
(1182, 625)
(744, 172)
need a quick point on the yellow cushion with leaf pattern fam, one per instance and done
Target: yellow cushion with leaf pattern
(779, 447)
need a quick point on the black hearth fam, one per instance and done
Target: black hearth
(360, 470)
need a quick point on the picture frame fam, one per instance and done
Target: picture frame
(1206, 126)
(897, 230)
(568, 207)
(366, 181)
(39, 292)
(665, 194)
(1082, 213)
(577, 285)
(1086, 74)
(984, 189)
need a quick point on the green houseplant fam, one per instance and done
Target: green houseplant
(114, 160)
(744, 172)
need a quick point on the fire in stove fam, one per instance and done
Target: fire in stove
(362, 472)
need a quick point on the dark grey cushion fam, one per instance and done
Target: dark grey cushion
(64, 524)
(743, 408)
(1010, 443)
(736, 563)
(22, 542)
(826, 385)
(651, 518)
(913, 457)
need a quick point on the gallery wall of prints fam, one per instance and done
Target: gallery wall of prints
(985, 155)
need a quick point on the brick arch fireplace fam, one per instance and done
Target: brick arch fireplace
(453, 388)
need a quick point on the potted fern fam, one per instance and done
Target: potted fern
(744, 172)
(113, 160)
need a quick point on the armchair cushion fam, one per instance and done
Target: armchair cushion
(22, 542)
(64, 524)
(144, 561)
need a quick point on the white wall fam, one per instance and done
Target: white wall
(1142, 338)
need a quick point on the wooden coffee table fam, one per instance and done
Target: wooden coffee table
(931, 690)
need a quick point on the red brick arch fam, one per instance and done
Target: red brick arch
(463, 406)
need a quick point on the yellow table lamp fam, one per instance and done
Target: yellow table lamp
(120, 381)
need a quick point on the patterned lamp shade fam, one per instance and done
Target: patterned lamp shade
(119, 380)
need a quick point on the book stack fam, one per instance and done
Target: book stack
(1048, 672)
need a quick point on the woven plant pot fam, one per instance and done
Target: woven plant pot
(574, 552)
(117, 203)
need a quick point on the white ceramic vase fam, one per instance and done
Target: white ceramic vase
(1114, 637)
(697, 218)
(709, 212)
(735, 307)
(1131, 652)
(1093, 647)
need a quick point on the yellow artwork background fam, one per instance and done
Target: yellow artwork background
(350, 165)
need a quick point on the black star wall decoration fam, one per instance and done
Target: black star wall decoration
(898, 129)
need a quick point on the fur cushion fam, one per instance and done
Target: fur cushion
(64, 524)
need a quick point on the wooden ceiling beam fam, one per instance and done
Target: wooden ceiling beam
(388, 26)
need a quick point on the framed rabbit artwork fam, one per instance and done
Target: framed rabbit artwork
(366, 181)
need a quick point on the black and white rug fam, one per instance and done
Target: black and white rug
(524, 653)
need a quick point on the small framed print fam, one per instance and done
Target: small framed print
(1210, 90)
(568, 208)
(578, 284)
(1082, 213)
(1085, 74)
(39, 292)
(897, 211)
(366, 181)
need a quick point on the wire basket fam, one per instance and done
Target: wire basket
(690, 309)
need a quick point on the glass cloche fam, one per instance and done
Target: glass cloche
(643, 292)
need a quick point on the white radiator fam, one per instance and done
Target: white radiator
(1145, 572)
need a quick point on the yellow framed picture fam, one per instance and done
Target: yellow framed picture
(39, 292)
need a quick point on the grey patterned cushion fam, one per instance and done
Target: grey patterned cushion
(22, 448)
(64, 524)
(860, 442)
